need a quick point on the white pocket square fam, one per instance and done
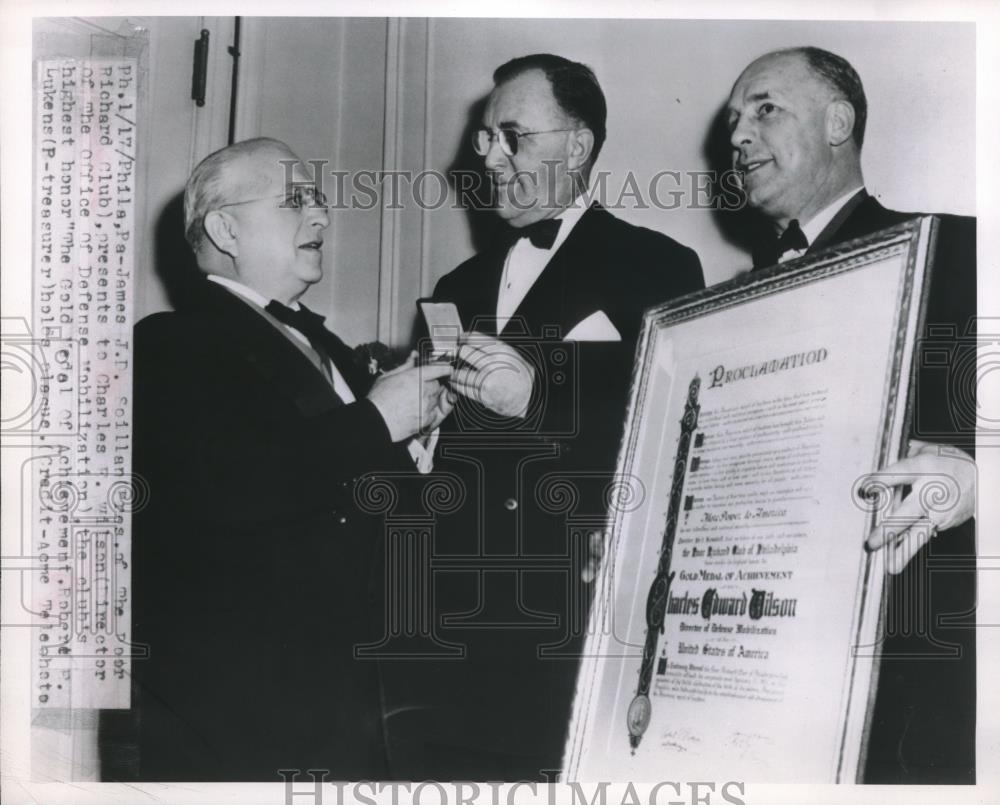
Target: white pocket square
(596, 327)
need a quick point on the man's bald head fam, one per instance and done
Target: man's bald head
(841, 80)
(797, 119)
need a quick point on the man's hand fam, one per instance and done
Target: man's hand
(411, 399)
(493, 374)
(943, 495)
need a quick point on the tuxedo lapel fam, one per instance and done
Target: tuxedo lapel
(862, 215)
(543, 303)
(478, 310)
(269, 352)
(844, 214)
(867, 217)
(561, 296)
(357, 376)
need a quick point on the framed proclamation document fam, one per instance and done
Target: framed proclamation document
(734, 631)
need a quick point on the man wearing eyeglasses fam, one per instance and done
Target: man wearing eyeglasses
(553, 312)
(252, 426)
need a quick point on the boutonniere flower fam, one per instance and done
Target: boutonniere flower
(376, 358)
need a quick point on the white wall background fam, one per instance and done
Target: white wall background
(377, 94)
(665, 80)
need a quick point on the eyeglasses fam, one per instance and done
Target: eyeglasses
(302, 196)
(508, 139)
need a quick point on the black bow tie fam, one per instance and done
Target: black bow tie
(770, 248)
(304, 320)
(792, 239)
(542, 234)
(311, 326)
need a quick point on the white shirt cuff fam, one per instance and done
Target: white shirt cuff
(422, 451)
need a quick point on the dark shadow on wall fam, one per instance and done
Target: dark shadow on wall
(470, 183)
(735, 221)
(173, 261)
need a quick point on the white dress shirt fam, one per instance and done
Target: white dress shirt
(422, 454)
(525, 263)
(818, 222)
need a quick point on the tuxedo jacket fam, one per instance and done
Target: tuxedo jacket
(605, 266)
(511, 597)
(251, 555)
(923, 723)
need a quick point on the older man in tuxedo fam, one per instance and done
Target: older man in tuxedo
(253, 425)
(553, 309)
(797, 123)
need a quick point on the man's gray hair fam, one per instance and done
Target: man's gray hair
(207, 188)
